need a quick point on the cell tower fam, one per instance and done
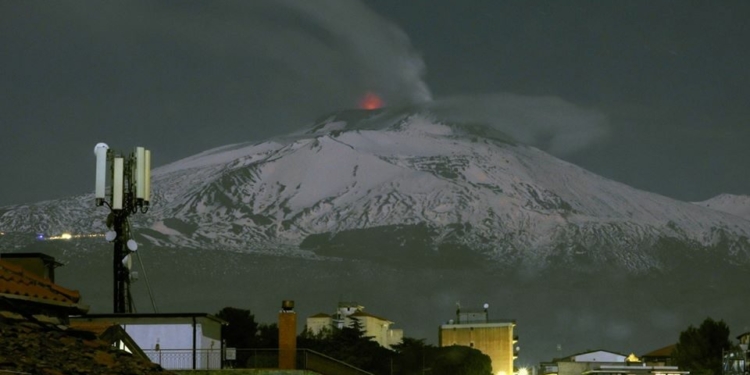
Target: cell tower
(129, 193)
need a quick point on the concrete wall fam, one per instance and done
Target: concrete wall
(576, 368)
(169, 336)
(376, 328)
(572, 368)
(600, 356)
(492, 339)
(317, 324)
(395, 337)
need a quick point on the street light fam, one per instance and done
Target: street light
(130, 192)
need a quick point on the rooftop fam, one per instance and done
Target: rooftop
(97, 328)
(15, 282)
(661, 352)
(364, 314)
(135, 316)
(32, 347)
(44, 257)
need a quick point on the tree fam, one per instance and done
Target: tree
(700, 349)
(349, 345)
(241, 330)
(247, 335)
(461, 360)
(267, 336)
(413, 356)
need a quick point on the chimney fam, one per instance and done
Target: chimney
(287, 336)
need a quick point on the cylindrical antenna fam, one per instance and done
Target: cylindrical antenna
(117, 184)
(100, 150)
(140, 172)
(147, 180)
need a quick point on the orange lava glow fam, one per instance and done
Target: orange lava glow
(371, 101)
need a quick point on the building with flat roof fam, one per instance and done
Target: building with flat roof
(604, 362)
(494, 338)
(350, 313)
(176, 341)
(660, 357)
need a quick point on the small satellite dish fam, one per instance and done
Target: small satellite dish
(486, 305)
(132, 245)
(110, 235)
(125, 260)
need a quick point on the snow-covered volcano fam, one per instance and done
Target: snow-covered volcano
(404, 180)
(409, 214)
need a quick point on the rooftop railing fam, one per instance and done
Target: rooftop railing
(205, 359)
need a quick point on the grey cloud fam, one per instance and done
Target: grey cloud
(250, 68)
(336, 47)
(353, 34)
(619, 330)
(546, 122)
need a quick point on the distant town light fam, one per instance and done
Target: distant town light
(68, 236)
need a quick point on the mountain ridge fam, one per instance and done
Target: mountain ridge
(408, 214)
(738, 205)
(370, 169)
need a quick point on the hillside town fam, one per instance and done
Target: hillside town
(46, 329)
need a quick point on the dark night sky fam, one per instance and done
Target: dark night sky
(653, 93)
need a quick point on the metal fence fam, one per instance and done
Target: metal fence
(186, 359)
(204, 359)
(324, 364)
(253, 358)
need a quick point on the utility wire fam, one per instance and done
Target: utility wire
(145, 276)
(148, 285)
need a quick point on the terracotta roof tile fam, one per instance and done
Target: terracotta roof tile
(97, 328)
(14, 280)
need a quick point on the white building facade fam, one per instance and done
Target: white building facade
(177, 341)
(350, 313)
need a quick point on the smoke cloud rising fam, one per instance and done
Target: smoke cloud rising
(546, 122)
(181, 77)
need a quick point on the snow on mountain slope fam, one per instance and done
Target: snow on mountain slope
(361, 169)
(738, 205)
